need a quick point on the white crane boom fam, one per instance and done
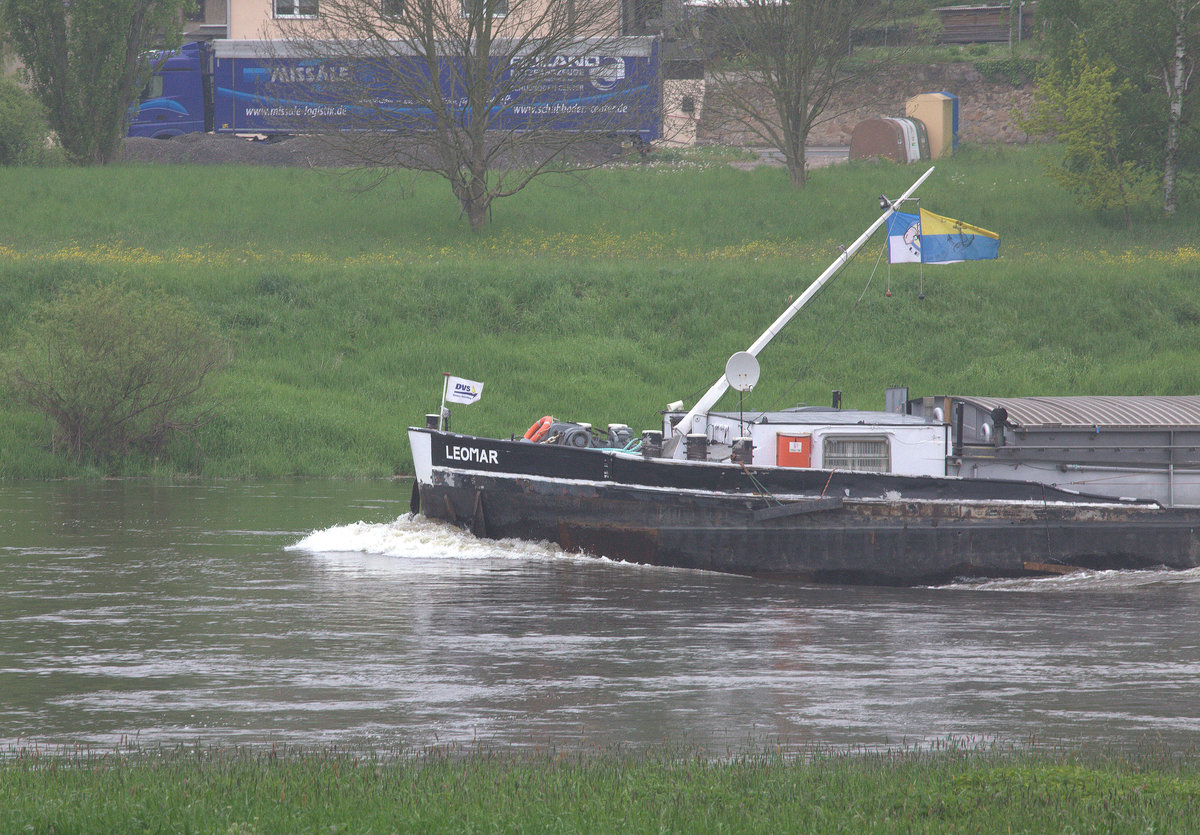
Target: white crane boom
(710, 398)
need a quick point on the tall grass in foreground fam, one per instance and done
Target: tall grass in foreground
(206, 791)
(599, 299)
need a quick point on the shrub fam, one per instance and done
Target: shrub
(1078, 105)
(23, 131)
(115, 370)
(1014, 71)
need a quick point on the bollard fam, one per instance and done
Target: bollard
(652, 444)
(743, 451)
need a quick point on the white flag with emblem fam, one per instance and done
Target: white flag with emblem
(459, 390)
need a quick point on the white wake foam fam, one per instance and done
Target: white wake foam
(415, 537)
(1090, 581)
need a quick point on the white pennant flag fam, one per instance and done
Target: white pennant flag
(460, 390)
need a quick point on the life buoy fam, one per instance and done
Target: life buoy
(539, 429)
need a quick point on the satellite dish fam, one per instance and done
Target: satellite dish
(741, 371)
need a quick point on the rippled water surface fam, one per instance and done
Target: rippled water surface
(272, 614)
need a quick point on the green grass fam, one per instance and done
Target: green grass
(600, 298)
(953, 789)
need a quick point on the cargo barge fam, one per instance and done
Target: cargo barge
(926, 490)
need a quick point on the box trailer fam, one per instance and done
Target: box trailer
(257, 87)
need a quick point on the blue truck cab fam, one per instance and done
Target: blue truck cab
(178, 97)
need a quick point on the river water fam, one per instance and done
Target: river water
(318, 614)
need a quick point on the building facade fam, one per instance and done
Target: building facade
(267, 19)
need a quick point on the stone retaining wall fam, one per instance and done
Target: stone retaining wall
(985, 108)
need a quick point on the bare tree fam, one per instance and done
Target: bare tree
(489, 94)
(788, 61)
(1176, 73)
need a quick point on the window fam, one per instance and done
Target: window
(295, 8)
(857, 453)
(498, 8)
(153, 88)
(391, 8)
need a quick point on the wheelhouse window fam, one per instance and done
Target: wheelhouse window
(871, 455)
(295, 8)
(498, 8)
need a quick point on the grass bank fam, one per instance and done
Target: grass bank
(204, 791)
(599, 299)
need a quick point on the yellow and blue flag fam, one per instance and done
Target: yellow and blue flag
(945, 240)
(932, 239)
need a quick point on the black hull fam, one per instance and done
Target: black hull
(848, 528)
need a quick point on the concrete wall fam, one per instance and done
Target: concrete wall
(683, 110)
(985, 108)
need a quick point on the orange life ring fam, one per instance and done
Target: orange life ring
(539, 429)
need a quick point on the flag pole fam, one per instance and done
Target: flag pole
(442, 409)
(921, 266)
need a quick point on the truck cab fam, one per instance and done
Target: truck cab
(175, 99)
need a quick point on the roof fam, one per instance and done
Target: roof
(826, 415)
(1110, 412)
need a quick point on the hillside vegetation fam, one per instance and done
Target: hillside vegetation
(598, 300)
